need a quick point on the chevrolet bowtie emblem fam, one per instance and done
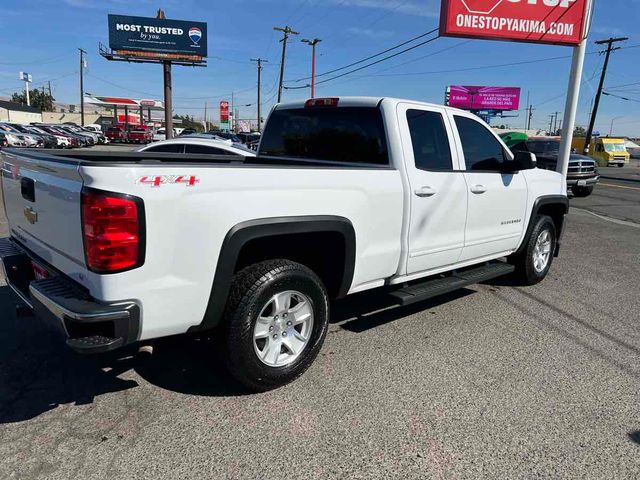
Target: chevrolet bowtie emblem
(31, 215)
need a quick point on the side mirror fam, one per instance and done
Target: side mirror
(524, 161)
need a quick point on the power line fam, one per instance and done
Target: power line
(620, 97)
(373, 63)
(371, 56)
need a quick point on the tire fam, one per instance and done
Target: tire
(620, 165)
(270, 362)
(582, 191)
(528, 271)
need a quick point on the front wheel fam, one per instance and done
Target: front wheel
(534, 262)
(277, 319)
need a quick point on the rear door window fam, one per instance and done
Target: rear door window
(336, 134)
(431, 149)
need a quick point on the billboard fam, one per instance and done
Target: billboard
(153, 38)
(539, 21)
(484, 98)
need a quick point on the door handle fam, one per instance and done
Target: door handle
(425, 191)
(478, 189)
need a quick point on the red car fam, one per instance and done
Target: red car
(140, 134)
(116, 134)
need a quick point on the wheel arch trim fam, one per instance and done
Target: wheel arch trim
(543, 201)
(244, 232)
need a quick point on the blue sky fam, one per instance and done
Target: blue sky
(42, 37)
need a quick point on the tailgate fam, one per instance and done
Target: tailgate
(42, 200)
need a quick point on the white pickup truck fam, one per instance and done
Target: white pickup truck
(345, 195)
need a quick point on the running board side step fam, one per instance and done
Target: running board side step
(437, 286)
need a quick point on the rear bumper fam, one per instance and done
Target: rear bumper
(89, 326)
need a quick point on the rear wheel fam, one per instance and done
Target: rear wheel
(582, 191)
(278, 315)
(534, 262)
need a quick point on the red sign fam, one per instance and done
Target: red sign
(224, 111)
(538, 21)
(484, 98)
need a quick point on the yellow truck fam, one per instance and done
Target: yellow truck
(606, 151)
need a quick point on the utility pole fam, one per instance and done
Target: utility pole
(551, 124)
(555, 122)
(531, 109)
(313, 44)
(205, 117)
(285, 38)
(609, 43)
(50, 97)
(259, 61)
(82, 53)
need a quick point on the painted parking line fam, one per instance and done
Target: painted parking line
(618, 186)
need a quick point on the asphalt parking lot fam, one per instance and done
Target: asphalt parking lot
(491, 382)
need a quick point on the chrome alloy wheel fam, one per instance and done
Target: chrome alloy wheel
(542, 251)
(283, 328)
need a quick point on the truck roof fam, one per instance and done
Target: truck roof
(348, 101)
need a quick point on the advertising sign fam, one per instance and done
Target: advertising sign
(484, 98)
(538, 21)
(224, 111)
(147, 36)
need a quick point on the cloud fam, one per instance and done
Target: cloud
(406, 7)
(369, 32)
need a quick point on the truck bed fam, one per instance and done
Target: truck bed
(106, 158)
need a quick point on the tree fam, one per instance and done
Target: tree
(579, 132)
(38, 98)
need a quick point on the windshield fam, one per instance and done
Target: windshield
(346, 134)
(540, 147)
(8, 129)
(614, 147)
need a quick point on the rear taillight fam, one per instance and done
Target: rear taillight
(321, 102)
(113, 230)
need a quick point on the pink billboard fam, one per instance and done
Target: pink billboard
(484, 98)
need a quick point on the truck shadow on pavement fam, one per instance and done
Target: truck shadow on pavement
(38, 373)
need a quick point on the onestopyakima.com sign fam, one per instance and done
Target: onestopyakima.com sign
(538, 21)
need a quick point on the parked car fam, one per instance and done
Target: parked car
(248, 138)
(226, 135)
(198, 145)
(50, 141)
(140, 135)
(161, 134)
(582, 175)
(90, 136)
(345, 195)
(40, 141)
(116, 134)
(188, 131)
(13, 137)
(65, 140)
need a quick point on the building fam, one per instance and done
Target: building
(18, 113)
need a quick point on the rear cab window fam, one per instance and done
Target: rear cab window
(348, 135)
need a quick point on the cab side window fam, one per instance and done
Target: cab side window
(431, 149)
(482, 151)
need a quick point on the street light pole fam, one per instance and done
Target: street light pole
(313, 44)
(613, 120)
